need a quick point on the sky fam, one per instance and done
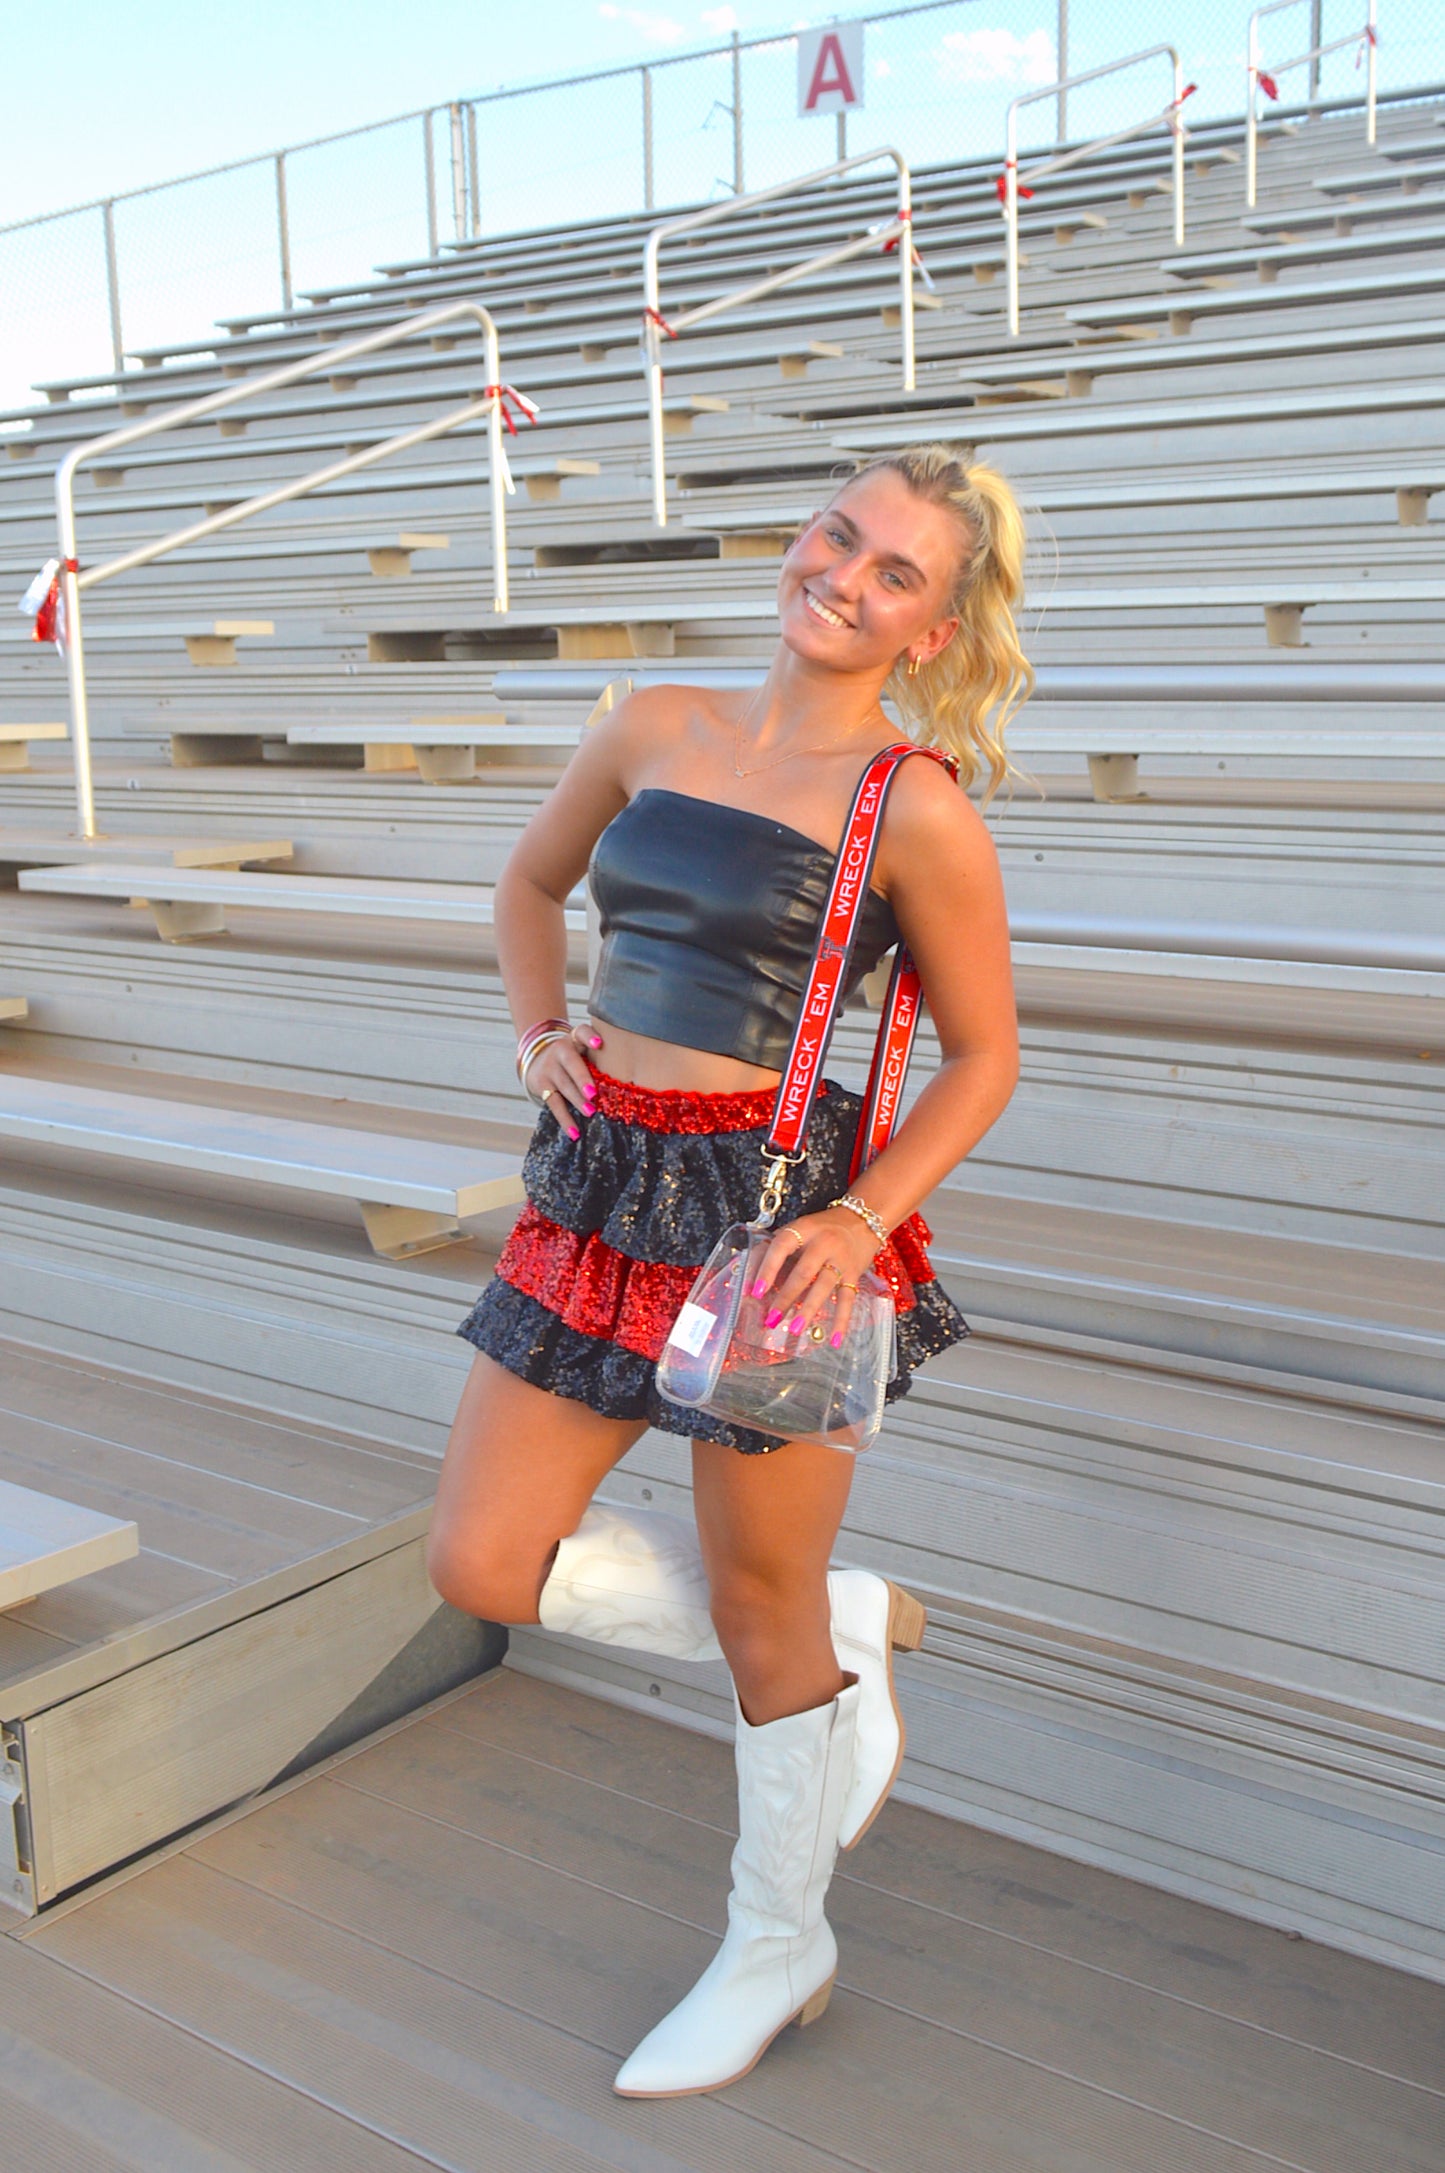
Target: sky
(117, 95)
(107, 97)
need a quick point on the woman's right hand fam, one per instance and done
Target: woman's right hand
(562, 1079)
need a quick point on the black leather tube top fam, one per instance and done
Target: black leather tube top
(709, 919)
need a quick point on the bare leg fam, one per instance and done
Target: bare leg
(519, 1470)
(767, 1526)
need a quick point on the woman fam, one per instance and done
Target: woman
(709, 823)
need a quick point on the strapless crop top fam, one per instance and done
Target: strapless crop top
(709, 919)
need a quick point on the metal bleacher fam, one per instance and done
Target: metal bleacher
(1177, 1506)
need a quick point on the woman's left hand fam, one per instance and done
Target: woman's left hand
(810, 1260)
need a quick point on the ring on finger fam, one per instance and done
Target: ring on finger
(798, 1241)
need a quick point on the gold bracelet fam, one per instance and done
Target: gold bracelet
(869, 1215)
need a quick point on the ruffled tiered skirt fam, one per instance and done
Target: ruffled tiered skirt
(618, 1222)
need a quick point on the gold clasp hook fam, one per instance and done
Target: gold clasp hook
(771, 1197)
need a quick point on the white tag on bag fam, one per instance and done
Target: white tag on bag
(691, 1328)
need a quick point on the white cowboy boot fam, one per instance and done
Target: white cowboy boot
(634, 1577)
(872, 1619)
(777, 1962)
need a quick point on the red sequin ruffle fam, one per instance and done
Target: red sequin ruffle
(598, 1291)
(668, 1109)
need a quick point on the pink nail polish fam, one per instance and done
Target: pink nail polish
(758, 1288)
(572, 1132)
(773, 1318)
(836, 1339)
(596, 1041)
(795, 1326)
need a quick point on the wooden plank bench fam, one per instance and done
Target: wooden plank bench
(1270, 259)
(1342, 219)
(583, 631)
(1114, 745)
(57, 849)
(46, 1541)
(14, 1007)
(443, 749)
(1284, 602)
(16, 741)
(767, 532)
(1181, 311)
(208, 643)
(1074, 371)
(995, 427)
(189, 904)
(1407, 178)
(413, 1194)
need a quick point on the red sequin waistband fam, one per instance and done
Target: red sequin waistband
(667, 1109)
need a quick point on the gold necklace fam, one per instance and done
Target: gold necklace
(739, 771)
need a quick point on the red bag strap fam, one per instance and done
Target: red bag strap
(828, 977)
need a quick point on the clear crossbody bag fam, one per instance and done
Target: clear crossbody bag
(720, 1356)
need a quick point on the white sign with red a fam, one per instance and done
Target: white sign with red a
(830, 69)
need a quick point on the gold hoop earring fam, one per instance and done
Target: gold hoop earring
(913, 667)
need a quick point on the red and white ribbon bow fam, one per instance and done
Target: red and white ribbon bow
(905, 218)
(1367, 39)
(45, 601)
(1173, 108)
(1011, 165)
(511, 405)
(1266, 83)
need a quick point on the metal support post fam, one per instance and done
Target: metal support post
(1171, 118)
(431, 184)
(1062, 123)
(459, 175)
(842, 137)
(283, 231)
(1371, 54)
(648, 191)
(474, 172)
(489, 402)
(112, 282)
(1317, 39)
(737, 116)
(897, 234)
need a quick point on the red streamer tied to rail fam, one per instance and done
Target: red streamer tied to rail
(655, 316)
(508, 399)
(1267, 84)
(50, 614)
(1368, 39)
(1002, 185)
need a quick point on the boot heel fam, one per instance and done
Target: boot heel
(817, 2005)
(907, 1620)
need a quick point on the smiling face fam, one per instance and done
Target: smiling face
(869, 580)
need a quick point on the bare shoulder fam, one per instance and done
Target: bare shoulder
(649, 722)
(932, 827)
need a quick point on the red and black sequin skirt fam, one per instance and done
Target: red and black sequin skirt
(618, 1222)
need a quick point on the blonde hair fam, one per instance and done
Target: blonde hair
(964, 698)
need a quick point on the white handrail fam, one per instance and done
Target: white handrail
(1258, 77)
(1009, 179)
(897, 231)
(492, 401)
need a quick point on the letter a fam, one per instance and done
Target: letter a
(830, 54)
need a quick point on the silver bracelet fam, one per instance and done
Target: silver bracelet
(868, 1214)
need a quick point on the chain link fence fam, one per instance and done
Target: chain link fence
(156, 269)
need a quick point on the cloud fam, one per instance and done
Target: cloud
(996, 56)
(661, 29)
(720, 19)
